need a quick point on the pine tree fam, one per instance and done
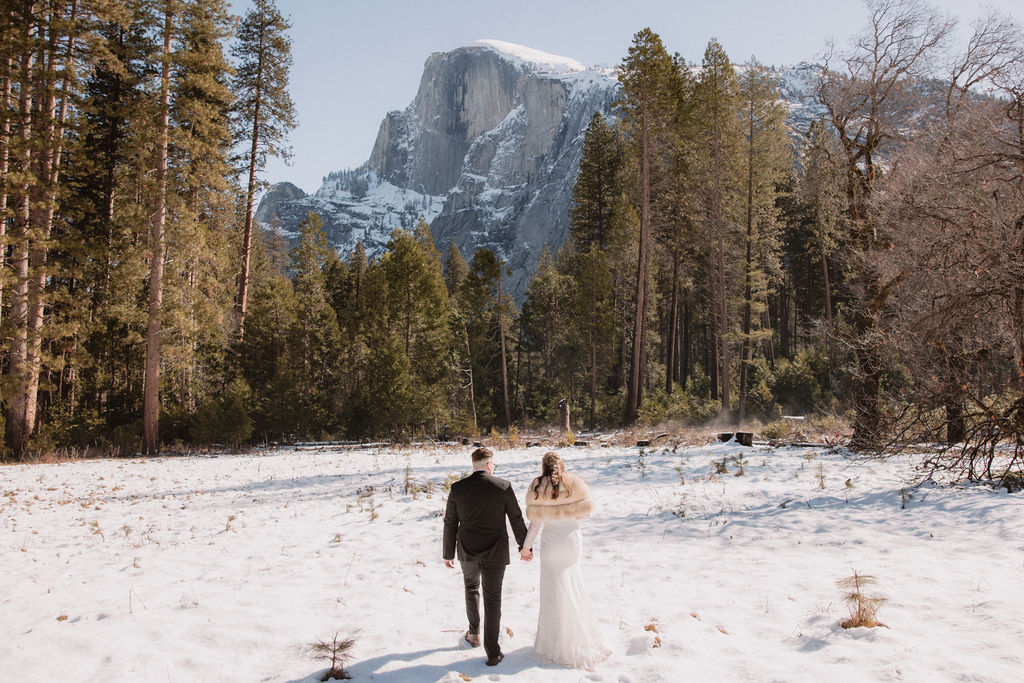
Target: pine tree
(488, 311)
(675, 208)
(197, 287)
(646, 103)
(315, 339)
(106, 212)
(719, 125)
(456, 272)
(263, 355)
(598, 183)
(767, 161)
(592, 312)
(417, 308)
(39, 54)
(595, 255)
(264, 112)
(546, 331)
(151, 398)
(820, 189)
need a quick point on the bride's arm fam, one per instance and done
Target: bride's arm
(531, 535)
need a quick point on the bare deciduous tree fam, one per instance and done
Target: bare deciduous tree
(865, 91)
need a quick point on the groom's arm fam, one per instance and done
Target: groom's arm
(451, 526)
(515, 516)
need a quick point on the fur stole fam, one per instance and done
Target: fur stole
(540, 507)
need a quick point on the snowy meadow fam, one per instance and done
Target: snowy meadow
(706, 563)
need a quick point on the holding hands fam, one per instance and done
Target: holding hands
(526, 554)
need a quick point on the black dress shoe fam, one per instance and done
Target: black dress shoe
(473, 639)
(494, 661)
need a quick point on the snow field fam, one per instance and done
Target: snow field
(226, 568)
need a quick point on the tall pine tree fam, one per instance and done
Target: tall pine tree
(264, 112)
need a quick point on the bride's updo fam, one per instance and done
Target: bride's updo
(553, 470)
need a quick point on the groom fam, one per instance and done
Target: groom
(474, 524)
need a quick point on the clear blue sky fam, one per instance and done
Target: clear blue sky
(355, 61)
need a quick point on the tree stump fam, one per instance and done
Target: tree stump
(563, 414)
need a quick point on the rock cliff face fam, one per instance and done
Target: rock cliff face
(487, 153)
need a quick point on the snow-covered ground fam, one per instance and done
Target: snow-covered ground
(227, 568)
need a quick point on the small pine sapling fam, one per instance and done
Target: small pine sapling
(336, 653)
(863, 608)
(739, 460)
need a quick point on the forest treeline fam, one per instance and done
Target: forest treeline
(720, 265)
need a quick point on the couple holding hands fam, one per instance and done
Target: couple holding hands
(475, 529)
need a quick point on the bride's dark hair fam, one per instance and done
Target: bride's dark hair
(553, 469)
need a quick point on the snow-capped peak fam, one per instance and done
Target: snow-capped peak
(528, 57)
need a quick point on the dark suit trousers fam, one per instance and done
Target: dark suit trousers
(491, 575)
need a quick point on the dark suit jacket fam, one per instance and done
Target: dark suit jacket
(474, 521)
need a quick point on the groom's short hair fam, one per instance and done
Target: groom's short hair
(482, 454)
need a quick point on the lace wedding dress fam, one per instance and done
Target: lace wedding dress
(567, 628)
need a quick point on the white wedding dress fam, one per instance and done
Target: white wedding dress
(567, 628)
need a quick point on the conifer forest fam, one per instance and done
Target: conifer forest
(721, 267)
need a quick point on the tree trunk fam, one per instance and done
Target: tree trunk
(151, 391)
(250, 198)
(469, 359)
(711, 348)
(504, 365)
(17, 431)
(593, 379)
(639, 315)
(719, 314)
(670, 343)
(684, 373)
(5, 150)
(747, 293)
(49, 175)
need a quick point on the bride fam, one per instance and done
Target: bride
(567, 630)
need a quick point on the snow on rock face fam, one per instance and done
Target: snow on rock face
(487, 153)
(531, 58)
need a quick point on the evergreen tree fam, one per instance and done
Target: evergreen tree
(820, 190)
(40, 51)
(675, 212)
(595, 251)
(456, 272)
(151, 386)
(197, 287)
(455, 269)
(488, 311)
(767, 162)
(315, 339)
(417, 309)
(546, 332)
(644, 73)
(598, 183)
(263, 355)
(264, 112)
(718, 118)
